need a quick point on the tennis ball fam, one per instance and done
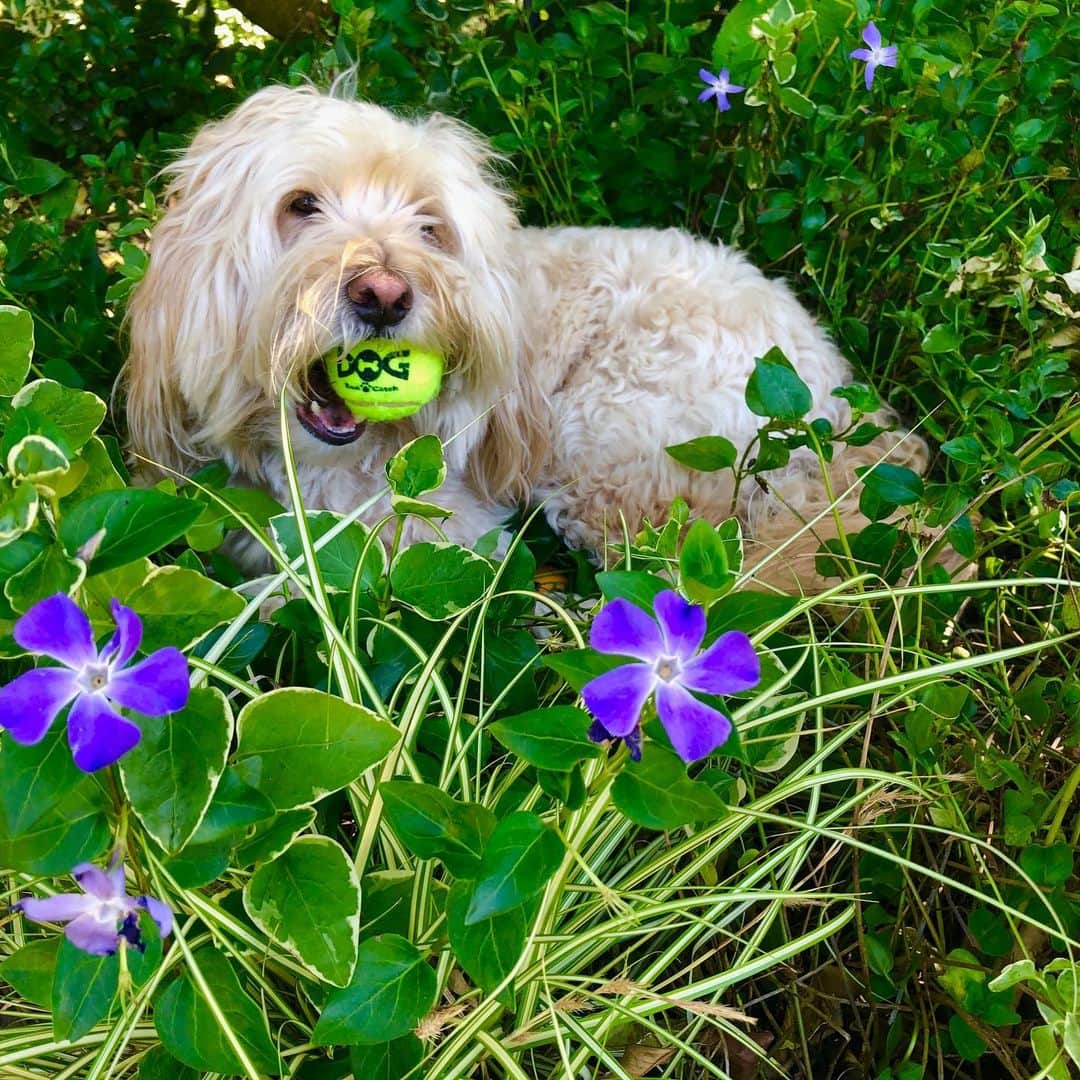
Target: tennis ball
(385, 379)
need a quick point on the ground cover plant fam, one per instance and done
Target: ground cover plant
(384, 811)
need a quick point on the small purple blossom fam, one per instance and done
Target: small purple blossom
(718, 86)
(104, 913)
(672, 667)
(92, 682)
(877, 55)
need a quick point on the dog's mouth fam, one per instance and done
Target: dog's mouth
(324, 414)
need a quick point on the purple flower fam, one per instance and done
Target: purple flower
(876, 55)
(718, 86)
(92, 682)
(672, 667)
(103, 914)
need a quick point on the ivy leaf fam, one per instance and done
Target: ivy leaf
(418, 467)
(392, 988)
(16, 347)
(656, 793)
(439, 580)
(555, 738)
(83, 989)
(775, 389)
(171, 774)
(297, 745)
(708, 453)
(308, 901)
(519, 860)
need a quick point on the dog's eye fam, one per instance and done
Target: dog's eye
(304, 205)
(432, 235)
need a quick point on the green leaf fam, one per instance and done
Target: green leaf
(893, 484)
(793, 101)
(18, 512)
(708, 453)
(83, 989)
(122, 526)
(30, 970)
(189, 1031)
(707, 562)
(1049, 866)
(578, 666)
(775, 390)
(35, 779)
(555, 738)
(38, 459)
(172, 772)
(1048, 1053)
(488, 949)
(338, 558)
(1017, 972)
(158, 1064)
(393, 987)
(16, 347)
(235, 806)
(270, 838)
(656, 793)
(633, 585)
(394, 1060)
(297, 745)
(746, 611)
(969, 1045)
(307, 900)
(433, 825)
(179, 606)
(418, 467)
(519, 859)
(76, 413)
(940, 339)
(439, 580)
(567, 787)
(53, 571)
(75, 830)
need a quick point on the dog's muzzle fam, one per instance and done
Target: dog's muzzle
(324, 414)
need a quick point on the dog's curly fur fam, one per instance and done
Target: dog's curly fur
(574, 355)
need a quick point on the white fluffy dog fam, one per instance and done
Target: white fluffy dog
(302, 221)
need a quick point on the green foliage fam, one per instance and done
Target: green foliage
(405, 854)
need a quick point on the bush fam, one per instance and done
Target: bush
(388, 842)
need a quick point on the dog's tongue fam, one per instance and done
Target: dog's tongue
(325, 415)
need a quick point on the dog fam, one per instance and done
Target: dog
(305, 220)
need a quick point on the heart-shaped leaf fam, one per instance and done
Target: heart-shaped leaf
(555, 738)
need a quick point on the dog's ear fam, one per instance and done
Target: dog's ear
(184, 373)
(483, 219)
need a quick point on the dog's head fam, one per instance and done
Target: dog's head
(300, 222)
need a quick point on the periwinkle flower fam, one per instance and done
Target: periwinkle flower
(92, 682)
(102, 914)
(718, 86)
(876, 55)
(671, 666)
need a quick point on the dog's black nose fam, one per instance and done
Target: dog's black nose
(380, 297)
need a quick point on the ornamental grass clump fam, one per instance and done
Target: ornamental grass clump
(415, 810)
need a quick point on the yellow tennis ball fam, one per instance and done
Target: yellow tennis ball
(385, 379)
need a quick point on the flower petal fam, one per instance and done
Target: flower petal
(887, 56)
(733, 89)
(724, 76)
(707, 77)
(725, 667)
(57, 627)
(95, 881)
(871, 67)
(707, 93)
(624, 629)
(123, 644)
(30, 703)
(56, 909)
(860, 54)
(722, 102)
(617, 697)
(872, 35)
(694, 728)
(98, 735)
(116, 872)
(159, 912)
(92, 935)
(681, 623)
(155, 686)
